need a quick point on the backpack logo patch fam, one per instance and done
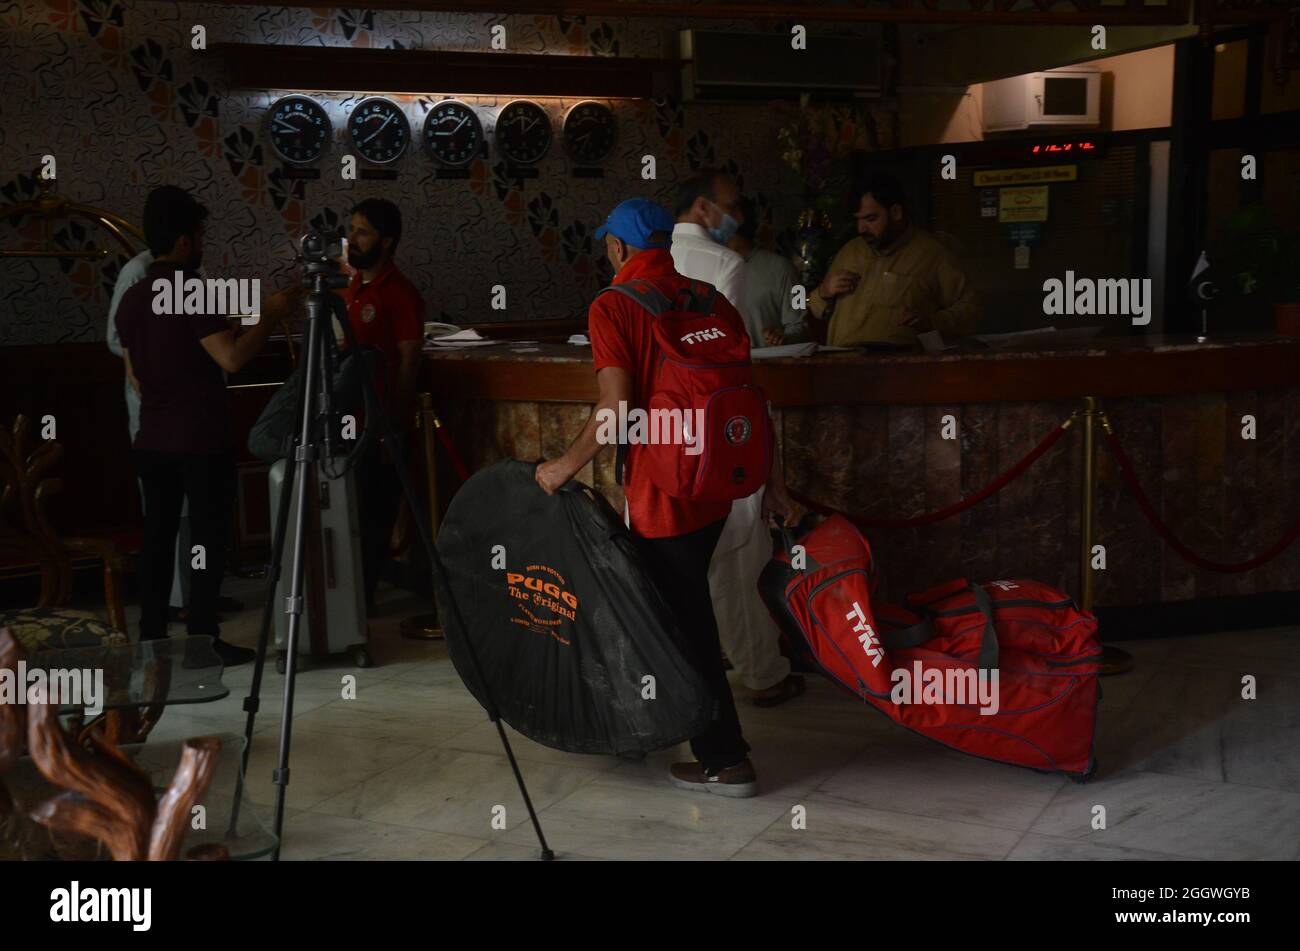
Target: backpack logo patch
(866, 636)
(737, 430)
(699, 336)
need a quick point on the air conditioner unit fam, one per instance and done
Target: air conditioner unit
(767, 66)
(1067, 97)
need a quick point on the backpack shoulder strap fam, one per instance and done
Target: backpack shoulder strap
(644, 293)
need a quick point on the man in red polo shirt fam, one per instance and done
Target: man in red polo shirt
(386, 312)
(676, 535)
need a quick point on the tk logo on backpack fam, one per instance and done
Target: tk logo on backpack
(698, 336)
(866, 635)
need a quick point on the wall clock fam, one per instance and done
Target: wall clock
(299, 129)
(523, 132)
(590, 130)
(379, 130)
(453, 134)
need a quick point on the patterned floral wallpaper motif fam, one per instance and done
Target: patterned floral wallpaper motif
(113, 90)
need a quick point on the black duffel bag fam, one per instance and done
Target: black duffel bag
(577, 646)
(272, 434)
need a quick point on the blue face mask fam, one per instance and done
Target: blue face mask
(725, 231)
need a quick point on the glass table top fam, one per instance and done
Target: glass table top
(163, 672)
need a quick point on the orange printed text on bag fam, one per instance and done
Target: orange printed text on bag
(1029, 642)
(704, 384)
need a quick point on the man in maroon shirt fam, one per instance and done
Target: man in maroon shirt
(386, 312)
(676, 535)
(185, 446)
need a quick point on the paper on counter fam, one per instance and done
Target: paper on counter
(783, 350)
(459, 336)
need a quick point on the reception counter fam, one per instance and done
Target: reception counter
(1213, 430)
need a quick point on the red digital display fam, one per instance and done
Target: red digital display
(1082, 145)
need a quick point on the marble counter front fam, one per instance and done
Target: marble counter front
(864, 433)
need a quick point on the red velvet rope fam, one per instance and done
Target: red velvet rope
(1144, 503)
(456, 462)
(995, 486)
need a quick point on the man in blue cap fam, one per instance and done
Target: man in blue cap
(676, 535)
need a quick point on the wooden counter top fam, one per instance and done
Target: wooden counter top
(971, 373)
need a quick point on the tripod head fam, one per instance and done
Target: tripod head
(319, 260)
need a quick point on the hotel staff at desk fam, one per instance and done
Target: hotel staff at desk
(894, 280)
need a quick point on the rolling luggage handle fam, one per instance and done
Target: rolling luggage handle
(919, 633)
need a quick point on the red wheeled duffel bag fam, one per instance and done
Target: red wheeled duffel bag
(1005, 670)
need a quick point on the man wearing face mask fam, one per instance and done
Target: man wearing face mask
(709, 214)
(386, 312)
(894, 281)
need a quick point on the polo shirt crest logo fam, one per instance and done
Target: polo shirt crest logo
(367, 313)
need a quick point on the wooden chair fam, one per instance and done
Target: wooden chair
(25, 489)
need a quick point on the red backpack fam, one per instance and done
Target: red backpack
(703, 397)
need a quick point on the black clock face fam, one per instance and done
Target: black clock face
(299, 129)
(453, 134)
(523, 132)
(589, 131)
(379, 130)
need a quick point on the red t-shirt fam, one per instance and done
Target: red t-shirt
(622, 335)
(385, 312)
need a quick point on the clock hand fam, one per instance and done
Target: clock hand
(377, 131)
(286, 126)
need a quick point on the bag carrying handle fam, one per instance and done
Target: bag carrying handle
(923, 630)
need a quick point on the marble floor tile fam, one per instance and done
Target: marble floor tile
(399, 712)
(1193, 722)
(1155, 812)
(321, 765)
(455, 792)
(837, 830)
(312, 836)
(910, 774)
(482, 737)
(621, 815)
(1268, 649)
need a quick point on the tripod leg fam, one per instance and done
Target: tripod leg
(421, 519)
(252, 702)
(305, 456)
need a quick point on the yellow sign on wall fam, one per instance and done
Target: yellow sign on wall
(1026, 203)
(1026, 176)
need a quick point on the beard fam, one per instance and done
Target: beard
(361, 260)
(885, 239)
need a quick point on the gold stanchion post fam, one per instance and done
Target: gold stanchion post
(1113, 660)
(425, 626)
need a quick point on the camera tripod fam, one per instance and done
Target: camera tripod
(312, 447)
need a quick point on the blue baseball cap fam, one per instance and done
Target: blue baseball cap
(635, 220)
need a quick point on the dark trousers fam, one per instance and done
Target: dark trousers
(379, 494)
(680, 568)
(208, 481)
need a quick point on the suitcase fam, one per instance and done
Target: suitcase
(1044, 651)
(334, 609)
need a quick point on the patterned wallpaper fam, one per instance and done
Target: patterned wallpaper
(114, 91)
